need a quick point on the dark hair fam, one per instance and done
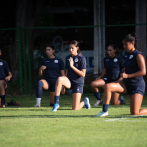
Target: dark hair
(113, 46)
(131, 37)
(51, 46)
(76, 43)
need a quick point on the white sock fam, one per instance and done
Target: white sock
(38, 100)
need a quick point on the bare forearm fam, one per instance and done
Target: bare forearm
(79, 72)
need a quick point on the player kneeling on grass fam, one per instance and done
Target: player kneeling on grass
(51, 68)
(114, 65)
(133, 82)
(74, 79)
(5, 76)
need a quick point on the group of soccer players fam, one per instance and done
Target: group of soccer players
(121, 75)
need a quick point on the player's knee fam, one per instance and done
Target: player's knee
(93, 84)
(40, 84)
(60, 80)
(108, 87)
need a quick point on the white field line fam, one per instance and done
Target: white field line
(125, 118)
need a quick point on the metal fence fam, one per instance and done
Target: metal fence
(32, 42)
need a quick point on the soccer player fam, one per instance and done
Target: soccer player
(133, 82)
(51, 68)
(113, 67)
(5, 76)
(74, 79)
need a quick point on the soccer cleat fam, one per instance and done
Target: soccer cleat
(37, 105)
(14, 103)
(87, 104)
(123, 100)
(102, 114)
(55, 107)
(98, 102)
(2, 106)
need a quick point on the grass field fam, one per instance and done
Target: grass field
(27, 126)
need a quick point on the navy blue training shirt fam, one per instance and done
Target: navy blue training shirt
(79, 63)
(131, 66)
(114, 67)
(4, 69)
(53, 68)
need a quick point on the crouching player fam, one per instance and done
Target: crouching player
(51, 68)
(133, 82)
(5, 76)
(74, 79)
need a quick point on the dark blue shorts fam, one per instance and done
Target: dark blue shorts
(51, 86)
(107, 81)
(139, 87)
(76, 88)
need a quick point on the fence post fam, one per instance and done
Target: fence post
(24, 56)
(29, 60)
(20, 57)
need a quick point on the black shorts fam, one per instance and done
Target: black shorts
(107, 81)
(51, 86)
(139, 87)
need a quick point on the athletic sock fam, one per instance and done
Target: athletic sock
(105, 107)
(39, 89)
(2, 99)
(97, 95)
(85, 100)
(57, 99)
(121, 101)
(38, 100)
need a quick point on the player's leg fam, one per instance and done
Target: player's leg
(52, 98)
(115, 99)
(135, 104)
(61, 81)
(3, 86)
(76, 104)
(42, 84)
(111, 87)
(95, 85)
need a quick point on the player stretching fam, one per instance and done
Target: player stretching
(51, 68)
(75, 72)
(133, 82)
(5, 76)
(113, 67)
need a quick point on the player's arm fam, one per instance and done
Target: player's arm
(142, 68)
(81, 72)
(41, 70)
(9, 76)
(120, 79)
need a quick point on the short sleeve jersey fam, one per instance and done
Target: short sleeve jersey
(79, 63)
(53, 68)
(131, 66)
(114, 67)
(4, 69)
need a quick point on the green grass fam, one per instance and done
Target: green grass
(27, 126)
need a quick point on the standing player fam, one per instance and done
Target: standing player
(113, 67)
(51, 68)
(74, 79)
(5, 76)
(133, 82)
